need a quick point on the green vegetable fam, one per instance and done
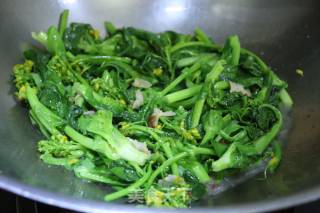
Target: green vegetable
(299, 72)
(50, 121)
(100, 124)
(209, 80)
(275, 160)
(230, 159)
(125, 191)
(262, 143)
(155, 116)
(199, 172)
(213, 123)
(77, 37)
(169, 193)
(63, 21)
(231, 51)
(88, 170)
(97, 101)
(55, 44)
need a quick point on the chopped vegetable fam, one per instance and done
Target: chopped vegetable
(156, 116)
(299, 72)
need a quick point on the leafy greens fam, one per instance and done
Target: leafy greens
(154, 115)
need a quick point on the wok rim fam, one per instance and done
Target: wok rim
(86, 205)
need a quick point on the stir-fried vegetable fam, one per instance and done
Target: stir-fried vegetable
(156, 116)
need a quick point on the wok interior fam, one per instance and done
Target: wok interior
(284, 33)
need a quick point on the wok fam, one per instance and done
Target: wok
(285, 33)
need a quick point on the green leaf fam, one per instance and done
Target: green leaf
(231, 50)
(76, 35)
(55, 44)
(123, 171)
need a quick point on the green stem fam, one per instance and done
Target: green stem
(165, 146)
(55, 44)
(261, 96)
(100, 59)
(260, 62)
(226, 160)
(221, 85)
(125, 191)
(63, 21)
(42, 128)
(214, 131)
(164, 165)
(197, 110)
(169, 62)
(232, 43)
(184, 62)
(137, 168)
(211, 77)
(182, 94)
(202, 151)
(148, 130)
(121, 66)
(202, 36)
(194, 44)
(110, 28)
(285, 98)
(83, 140)
(200, 172)
(225, 136)
(186, 103)
(167, 150)
(185, 72)
(284, 95)
(96, 177)
(273, 164)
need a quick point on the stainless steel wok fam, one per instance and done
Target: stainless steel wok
(286, 33)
